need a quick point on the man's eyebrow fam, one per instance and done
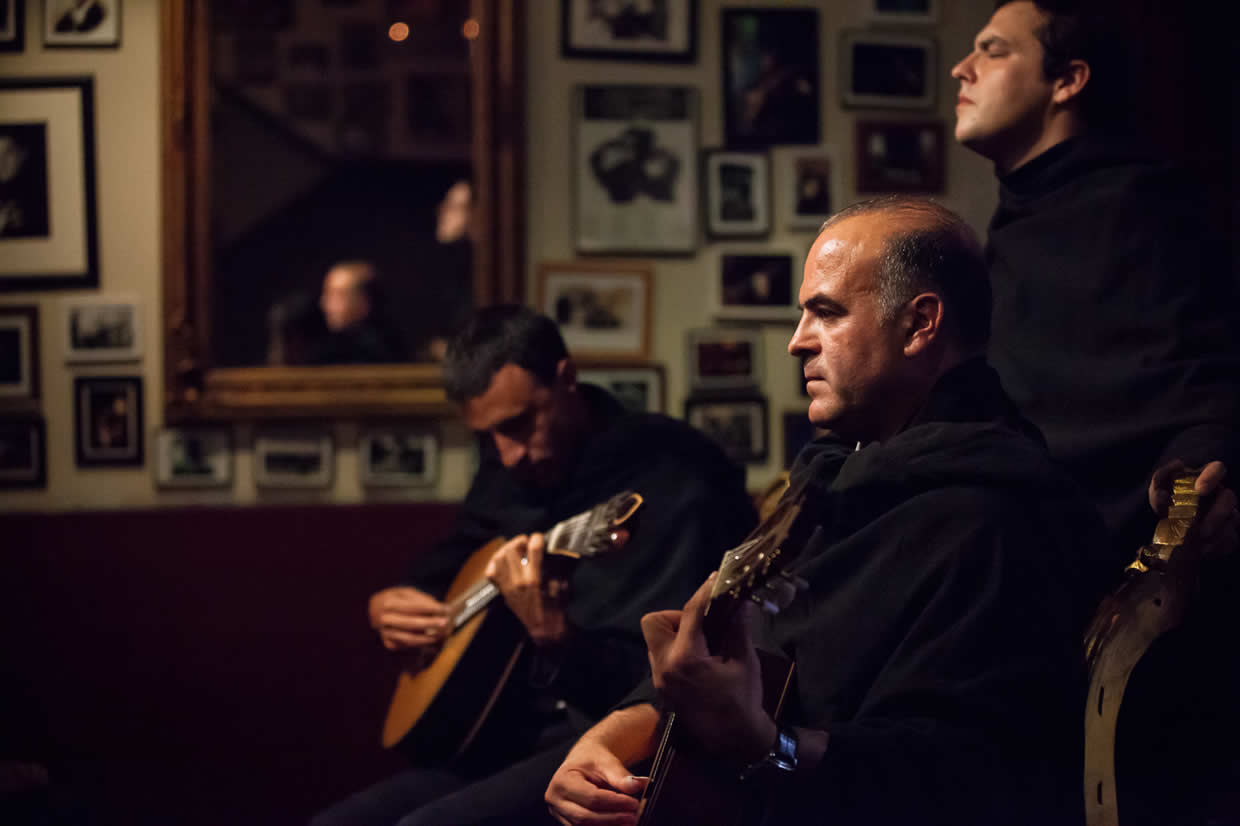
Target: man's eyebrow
(990, 40)
(820, 303)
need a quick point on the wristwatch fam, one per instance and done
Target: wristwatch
(782, 757)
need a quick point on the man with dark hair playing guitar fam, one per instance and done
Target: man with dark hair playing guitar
(947, 574)
(490, 701)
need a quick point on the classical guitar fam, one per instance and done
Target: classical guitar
(1153, 598)
(437, 711)
(688, 787)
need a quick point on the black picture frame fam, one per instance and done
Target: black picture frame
(756, 286)
(730, 421)
(19, 355)
(13, 27)
(901, 156)
(736, 194)
(888, 69)
(108, 421)
(679, 23)
(55, 246)
(775, 53)
(23, 453)
(95, 26)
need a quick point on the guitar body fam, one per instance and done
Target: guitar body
(687, 788)
(435, 713)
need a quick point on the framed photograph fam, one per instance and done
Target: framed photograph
(904, 11)
(193, 457)
(737, 193)
(798, 432)
(756, 287)
(602, 307)
(12, 25)
(663, 31)
(888, 70)
(900, 156)
(640, 388)
(635, 153)
(738, 424)
(811, 187)
(102, 329)
(47, 198)
(23, 453)
(82, 23)
(770, 77)
(293, 459)
(19, 354)
(108, 420)
(724, 358)
(398, 457)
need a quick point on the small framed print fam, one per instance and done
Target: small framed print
(398, 457)
(48, 234)
(19, 354)
(293, 459)
(108, 420)
(102, 329)
(738, 424)
(193, 457)
(811, 185)
(904, 11)
(663, 31)
(737, 193)
(603, 308)
(900, 156)
(640, 388)
(12, 25)
(724, 359)
(770, 77)
(756, 287)
(23, 453)
(82, 23)
(888, 70)
(635, 170)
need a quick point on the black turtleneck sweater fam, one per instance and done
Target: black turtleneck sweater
(1111, 327)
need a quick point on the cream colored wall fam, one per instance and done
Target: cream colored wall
(681, 284)
(127, 163)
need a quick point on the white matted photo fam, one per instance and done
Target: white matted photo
(398, 457)
(640, 388)
(724, 358)
(635, 177)
(756, 286)
(602, 307)
(82, 23)
(738, 425)
(193, 457)
(888, 69)
(19, 353)
(293, 459)
(106, 328)
(904, 11)
(811, 183)
(737, 193)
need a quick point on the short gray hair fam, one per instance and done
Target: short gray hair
(935, 251)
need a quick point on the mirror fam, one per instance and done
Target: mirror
(341, 185)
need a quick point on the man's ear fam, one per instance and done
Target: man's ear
(923, 323)
(1070, 84)
(566, 373)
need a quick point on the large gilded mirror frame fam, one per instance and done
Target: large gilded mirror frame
(194, 389)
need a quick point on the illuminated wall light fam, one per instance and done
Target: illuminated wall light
(471, 29)
(398, 31)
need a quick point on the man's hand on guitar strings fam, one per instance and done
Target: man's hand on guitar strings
(1220, 526)
(593, 788)
(408, 619)
(717, 695)
(517, 570)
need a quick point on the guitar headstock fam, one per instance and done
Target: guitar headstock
(757, 568)
(600, 530)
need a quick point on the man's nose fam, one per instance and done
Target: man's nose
(964, 69)
(800, 344)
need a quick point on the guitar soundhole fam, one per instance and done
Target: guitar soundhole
(1102, 690)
